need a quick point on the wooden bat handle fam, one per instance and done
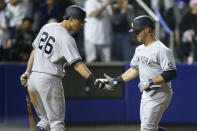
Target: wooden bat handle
(30, 114)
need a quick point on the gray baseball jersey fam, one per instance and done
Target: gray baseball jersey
(53, 47)
(152, 60)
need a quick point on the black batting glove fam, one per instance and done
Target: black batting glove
(100, 83)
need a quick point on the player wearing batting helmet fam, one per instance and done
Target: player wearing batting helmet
(155, 65)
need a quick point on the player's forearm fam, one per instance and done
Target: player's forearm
(82, 69)
(30, 62)
(130, 74)
(158, 80)
(166, 76)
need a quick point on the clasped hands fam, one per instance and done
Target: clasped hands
(107, 83)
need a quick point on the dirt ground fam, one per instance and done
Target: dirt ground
(110, 127)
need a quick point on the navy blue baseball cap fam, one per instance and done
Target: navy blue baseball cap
(141, 22)
(76, 12)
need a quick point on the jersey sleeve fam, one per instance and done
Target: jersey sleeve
(36, 42)
(166, 59)
(134, 61)
(70, 51)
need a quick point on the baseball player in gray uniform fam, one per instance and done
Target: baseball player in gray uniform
(155, 65)
(53, 47)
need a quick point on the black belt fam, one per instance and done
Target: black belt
(150, 89)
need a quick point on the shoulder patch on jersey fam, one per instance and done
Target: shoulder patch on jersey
(138, 49)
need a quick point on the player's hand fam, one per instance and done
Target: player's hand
(144, 85)
(103, 84)
(24, 78)
(114, 81)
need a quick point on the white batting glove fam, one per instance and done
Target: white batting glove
(143, 85)
(24, 78)
(113, 81)
(103, 84)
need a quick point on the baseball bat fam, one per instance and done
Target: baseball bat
(30, 114)
(148, 10)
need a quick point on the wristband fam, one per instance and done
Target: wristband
(119, 80)
(91, 79)
(150, 82)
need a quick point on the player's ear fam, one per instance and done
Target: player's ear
(149, 29)
(70, 19)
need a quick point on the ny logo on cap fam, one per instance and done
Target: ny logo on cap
(132, 25)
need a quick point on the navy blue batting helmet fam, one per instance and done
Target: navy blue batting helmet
(76, 12)
(141, 22)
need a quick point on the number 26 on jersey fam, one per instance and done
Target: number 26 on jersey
(46, 43)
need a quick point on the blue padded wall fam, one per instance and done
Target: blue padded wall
(183, 107)
(126, 110)
(15, 108)
(95, 111)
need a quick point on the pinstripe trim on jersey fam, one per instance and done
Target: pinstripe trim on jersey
(33, 46)
(135, 67)
(170, 69)
(73, 61)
